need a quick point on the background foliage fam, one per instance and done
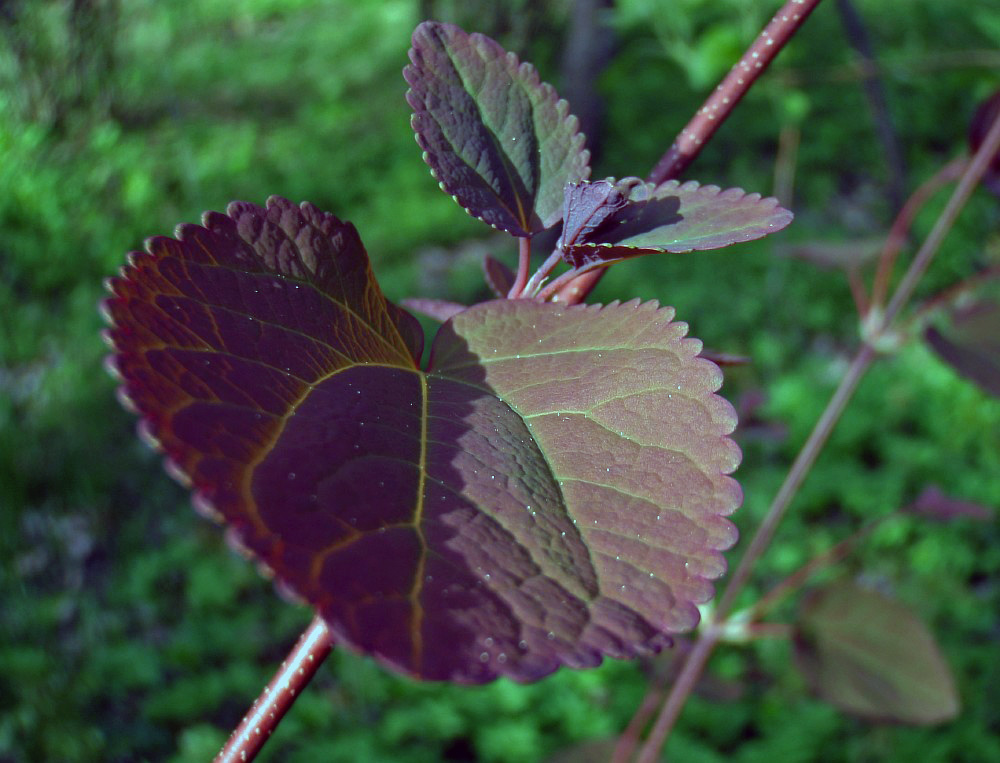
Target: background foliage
(129, 631)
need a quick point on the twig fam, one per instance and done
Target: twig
(523, 266)
(683, 686)
(797, 579)
(821, 432)
(716, 109)
(974, 172)
(539, 276)
(270, 707)
(904, 220)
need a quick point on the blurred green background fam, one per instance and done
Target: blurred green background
(129, 631)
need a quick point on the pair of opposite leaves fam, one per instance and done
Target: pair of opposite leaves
(550, 489)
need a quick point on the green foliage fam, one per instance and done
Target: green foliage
(128, 631)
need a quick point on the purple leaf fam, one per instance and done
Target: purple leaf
(871, 656)
(438, 309)
(496, 138)
(586, 207)
(671, 217)
(933, 504)
(967, 333)
(498, 276)
(551, 490)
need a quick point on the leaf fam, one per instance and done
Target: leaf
(672, 217)
(967, 334)
(933, 504)
(438, 309)
(496, 138)
(980, 125)
(550, 490)
(871, 656)
(499, 277)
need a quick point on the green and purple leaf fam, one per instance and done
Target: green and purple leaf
(966, 334)
(496, 138)
(609, 221)
(872, 657)
(550, 490)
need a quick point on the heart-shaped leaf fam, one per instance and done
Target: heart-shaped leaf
(967, 333)
(548, 491)
(609, 221)
(496, 138)
(872, 657)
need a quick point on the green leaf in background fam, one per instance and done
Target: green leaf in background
(607, 221)
(871, 656)
(496, 138)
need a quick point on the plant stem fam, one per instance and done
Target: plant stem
(974, 171)
(523, 265)
(793, 480)
(716, 109)
(554, 289)
(708, 637)
(730, 91)
(270, 707)
(539, 276)
(904, 220)
(683, 686)
(797, 579)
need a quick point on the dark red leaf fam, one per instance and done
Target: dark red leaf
(550, 490)
(496, 138)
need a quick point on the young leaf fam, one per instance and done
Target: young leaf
(499, 277)
(496, 138)
(606, 223)
(550, 490)
(871, 656)
(967, 334)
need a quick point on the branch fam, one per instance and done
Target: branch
(810, 451)
(270, 707)
(716, 109)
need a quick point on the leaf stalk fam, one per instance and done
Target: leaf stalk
(270, 707)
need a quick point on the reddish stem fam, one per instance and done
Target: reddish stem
(523, 266)
(716, 109)
(904, 221)
(797, 579)
(536, 281)
(270, 707)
